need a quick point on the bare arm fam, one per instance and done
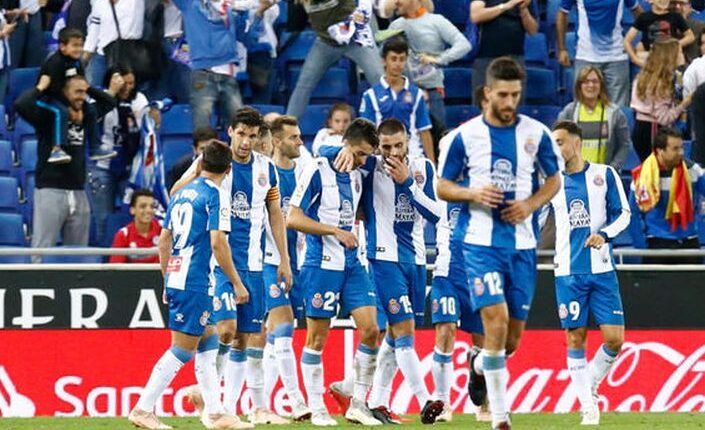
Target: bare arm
(561, 27)
(223, 255)
(629, 48)
(276, 222)
(298, 221)
(479, 13)
(687, 39)
(165, 243)
(528, 21)
(518, 210)
(427, 142)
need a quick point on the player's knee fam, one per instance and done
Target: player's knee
(239, 342)
(226, 331)
(614, 343)
(369, 334)
(445, 335)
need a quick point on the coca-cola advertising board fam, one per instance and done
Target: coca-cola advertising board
(101, 372)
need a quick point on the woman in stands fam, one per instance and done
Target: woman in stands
(655, 98)
(339, 118)
(606, 136)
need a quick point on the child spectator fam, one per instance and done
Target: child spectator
(339, 118)
(142, 232)
(657, 24)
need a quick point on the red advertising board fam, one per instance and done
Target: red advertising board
(101, 372)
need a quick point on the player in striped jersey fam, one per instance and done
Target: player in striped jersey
(324, 206)
(252, 184)
(283, 302)
(499, 153)
(590, 210)
(196, 224)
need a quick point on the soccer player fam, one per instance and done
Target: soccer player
(397, 257)
(252, 185)
(323, 207)
(499, 153)
(590, 210)
(196, 224)
(284, 302)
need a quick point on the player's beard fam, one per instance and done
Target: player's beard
(506, 116)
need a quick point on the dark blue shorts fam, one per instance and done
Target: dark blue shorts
(250, 315)
(325, 290)
(275, 295)
(579, 295)
(188, 311)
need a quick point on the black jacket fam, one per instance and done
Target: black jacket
(48, 115)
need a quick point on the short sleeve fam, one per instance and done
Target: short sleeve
(641, 22)
(548, 156)
(218, 210)
(453, 159)
(308, 189)
(423, 119)
(366, 107)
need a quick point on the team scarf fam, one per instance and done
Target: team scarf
(647, 180)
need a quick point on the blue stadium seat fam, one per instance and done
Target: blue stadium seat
(458, 85)
(11, 230)
(22, 131)
(28, 156)
(177, 121)
(567, 84)
(458, 114)
(536, 49)
(19, 81)
(547, 114)
(296, 46)
(571, 43)
(5, 157)
(334, 86)
(175, 148)
(14, 259)
(456, 11)
(9, 195)
(113, 223)
(313, 119)
(541, 86)
(74, 259)
(629, 113)
(265, 109)
(3, 123)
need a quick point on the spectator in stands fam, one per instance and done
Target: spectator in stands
(264, 140)
(269, 117)
(6, 29)
(263, 52)
(655, 25)
(394, 96)
(693, 86)
(201, 137)
(102, 31)
(600, 42)
(684, 8)
(654, 97)
(27, 47)
(606, 136)
(339, 118)
(434, 42)
(342, 30)
(664, 210)
(122, 135)
(79, 11)
(502, 25)
(60, 201)
(142, 232)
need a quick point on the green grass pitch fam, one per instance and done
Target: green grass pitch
(627, 421)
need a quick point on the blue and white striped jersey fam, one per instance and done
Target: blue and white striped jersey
(449, 239)
(589, 201)
(331, 198)
(287, 185)
(194, 211)
(506, 157)
(395, 213)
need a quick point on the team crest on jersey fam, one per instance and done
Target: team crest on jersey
(562, 311)
(393, 307)
(598, 181)
(317, 301)
(179, 317)
(502, 175)
(434, 306)
(224, 212)
(262, 180)
(530, 146)
(404, 211)
(347, 215)
(479, 287)
(217, 304)
(578, 215)
(419, 178)
(408, 98)
(240, 206)
(453, 218)
(203, 320)
(274, 291)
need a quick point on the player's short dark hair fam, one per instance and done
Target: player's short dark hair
(68, 33)
(661, 139)
(281, 121)
(396, 44)
(504, 69)
(390, 126)
(570, 127)
(247, 116)
(479, 96)
(264, 130)
(201, 134)
(361, 130)
(217, 156)
(142, 192)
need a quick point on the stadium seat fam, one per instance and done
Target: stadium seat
(177, 121)
(547, 114)
(568, 84)
(22, 131)
(334, 86)
(5, 157)
(3, 123)
(19, 81)
(458, 114)
(458, 85)
(14, 259)
(296, 46)
(28, 156)
(629, 113)
(113, 223)
(536, 49)
(265, 109)
(571, 43)
(313, 119)
(456, 11)
(9, 195)
(174, 149)
(11, 230)
(541, 86)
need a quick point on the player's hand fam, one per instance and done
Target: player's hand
(284, 275)
(516, 211)
(164, 300)
(397, 169)
(116, 84)
(595, 241)
(44, 82)
(241, 294)
(345, 161)
(8, 28)
(564, 58)
(348, 239)
(489, 196)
